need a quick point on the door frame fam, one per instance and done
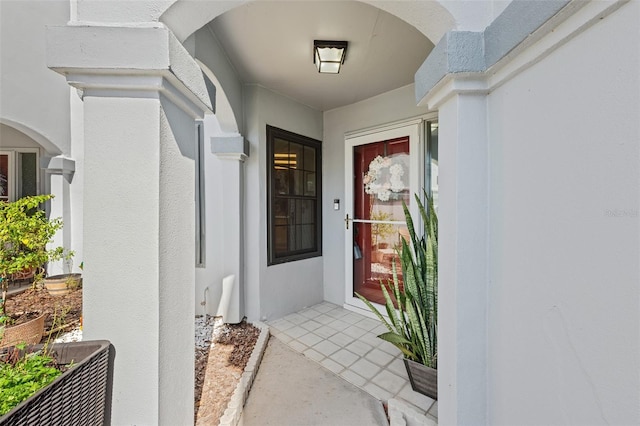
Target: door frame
(11, 178)
(414, 128)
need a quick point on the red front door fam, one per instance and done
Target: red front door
(381, 184)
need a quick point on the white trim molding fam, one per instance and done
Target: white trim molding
(58, 165)
(91, 59)
(491, 57)
(230, 147)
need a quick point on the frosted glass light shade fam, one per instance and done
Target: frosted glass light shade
(329, 55)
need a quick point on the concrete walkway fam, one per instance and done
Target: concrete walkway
(291, 390)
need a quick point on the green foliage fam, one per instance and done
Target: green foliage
(24, 377)
(25, 232)
(413, 326)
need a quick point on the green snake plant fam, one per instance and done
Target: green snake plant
(413, 325)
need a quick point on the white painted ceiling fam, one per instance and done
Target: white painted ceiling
(270, 44)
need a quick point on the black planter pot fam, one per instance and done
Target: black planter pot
(423, 379)
(79, 396)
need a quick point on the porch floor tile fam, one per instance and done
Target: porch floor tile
(345, 343)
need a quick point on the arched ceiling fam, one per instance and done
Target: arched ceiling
(270, 44)
(185, 17)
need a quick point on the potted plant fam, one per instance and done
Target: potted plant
(25, 232)
(59, 285)
(412, 312)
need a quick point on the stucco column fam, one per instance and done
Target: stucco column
(139, 209)
(233, 150)
(59, 171)
(462, 255)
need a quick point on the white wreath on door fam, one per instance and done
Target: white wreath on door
(384, 178)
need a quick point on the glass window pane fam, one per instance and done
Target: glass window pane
(378, 245)
(433, 145)
(309, 184)
(280, 240)
(306, 212)
(298, 182)
(292, 238)
(296, 155)
(291, 211)
(281, 177)
(309, 159)
(281, 152)
(28, 174)
(281, 167)
(281, 213)
(307, 237)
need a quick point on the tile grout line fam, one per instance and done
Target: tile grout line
(301, 347)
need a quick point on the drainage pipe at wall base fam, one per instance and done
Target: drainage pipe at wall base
(204, 301)
(229, 308)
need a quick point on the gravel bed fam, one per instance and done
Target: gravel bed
(206, 331)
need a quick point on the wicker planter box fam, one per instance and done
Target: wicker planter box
(423, 379)
(79, 396)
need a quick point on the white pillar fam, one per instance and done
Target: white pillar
(462, 255)
(233, 150)
(59, 171)
(139, 210)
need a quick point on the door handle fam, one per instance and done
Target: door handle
(346, 220)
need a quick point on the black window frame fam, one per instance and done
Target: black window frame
(274, 133)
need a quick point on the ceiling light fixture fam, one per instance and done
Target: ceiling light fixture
(329, 55)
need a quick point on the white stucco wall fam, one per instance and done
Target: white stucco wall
(35, 107)
(208, 286)
(34, 99)
(228, 118)
(391, 106)
(209, 51)
(274, 291)
(176, 259)
(564, 233)
(139, 274)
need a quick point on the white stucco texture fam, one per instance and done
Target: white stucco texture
(90, 57)
(139, 254)
(563, 299)
(121, 271)
(34, 100)
(462, 259)
(176, 263)
(229, 110)
(272, 292)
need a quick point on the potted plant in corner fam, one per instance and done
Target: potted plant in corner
(59, 285)
(25, 232)
(412, 313)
